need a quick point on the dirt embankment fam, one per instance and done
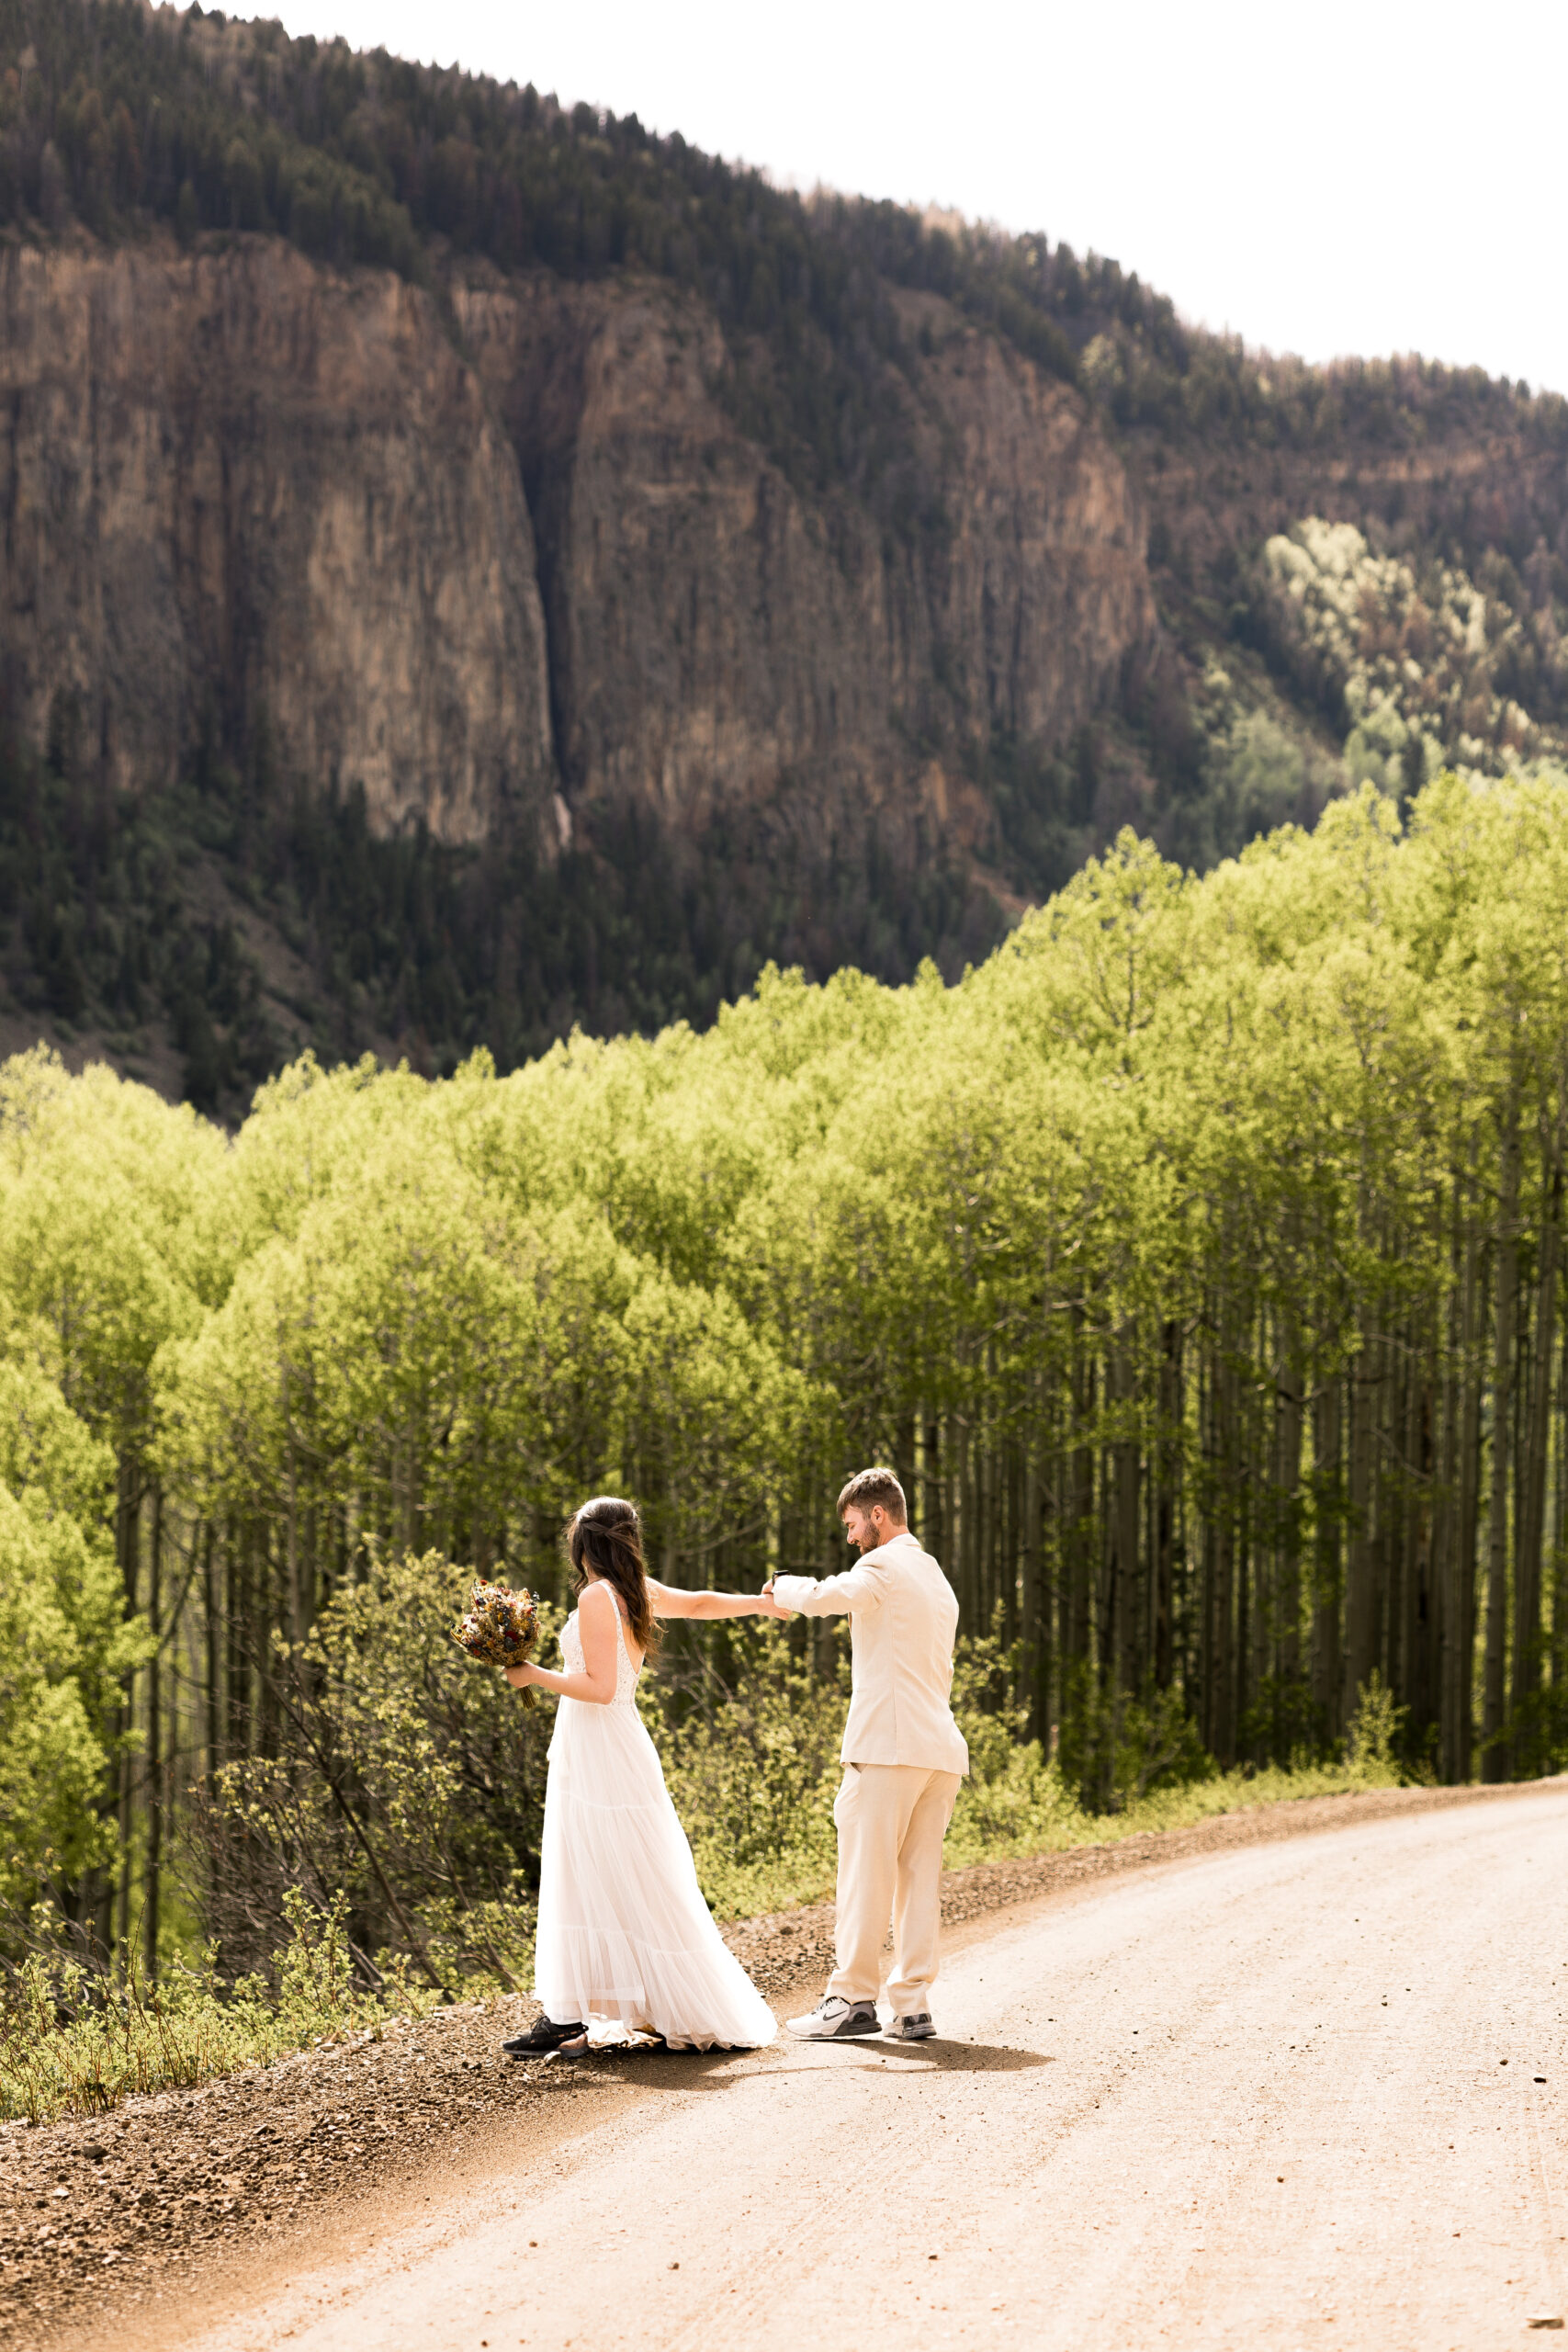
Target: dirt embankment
(91, 2210)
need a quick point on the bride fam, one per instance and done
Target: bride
(623, 1931)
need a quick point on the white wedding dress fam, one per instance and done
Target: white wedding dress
(623, 1932)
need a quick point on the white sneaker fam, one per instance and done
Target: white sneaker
(836, 2020)
(916, 2028)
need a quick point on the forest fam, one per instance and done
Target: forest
(1197, 1261)
(404, 938)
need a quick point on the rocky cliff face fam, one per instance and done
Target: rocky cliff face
(1207, 499)
(234, 485)
(716, 637)
(469, 572)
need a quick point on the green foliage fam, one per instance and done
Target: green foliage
(1117, 1748)
(64, 1646)
(445, 950)
(99, 1260)
(1161, 1256)
(1046, 807)
(70, 2044)
(48, 1456)
(94, 906)
(750, 1754)
(1375, 1730)
(51, 1760)
(1257, 775)
(1427, 668)
(407, 1800)
(751, 1757)
(754, 1769)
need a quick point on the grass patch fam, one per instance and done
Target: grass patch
(73, 2044)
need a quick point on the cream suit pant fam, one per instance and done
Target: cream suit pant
(891, 1820)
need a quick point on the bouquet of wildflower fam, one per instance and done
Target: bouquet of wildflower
(500, 1627)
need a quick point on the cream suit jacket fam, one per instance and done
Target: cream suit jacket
(903, 1617)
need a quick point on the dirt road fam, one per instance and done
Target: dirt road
(1288, 2095)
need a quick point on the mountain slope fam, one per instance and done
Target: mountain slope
(468, 567)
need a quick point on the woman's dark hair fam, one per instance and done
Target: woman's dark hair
(604, 1536)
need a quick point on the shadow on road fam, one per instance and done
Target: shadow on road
(717, 2070)
(968, 2058)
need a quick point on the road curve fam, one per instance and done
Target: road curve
(1285, 2095)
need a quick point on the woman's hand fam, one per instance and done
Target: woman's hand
(520, 1677)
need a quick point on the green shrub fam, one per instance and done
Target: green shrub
(412, 1796)
(752, 1763)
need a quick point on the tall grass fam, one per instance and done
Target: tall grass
(73, 2044)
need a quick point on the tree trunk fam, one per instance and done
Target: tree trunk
(1558, 1720)
(128, 1528)
(1361, 1577)
(1083, 1546)
(969, 1524)
(212, 1638)
(1125, 1611)
(1419, 1662)
(1494, 1762)
(1037, 1597)
(1390, 1483)
(1222, 1604)
(1531, 1531)
(237, 1673)
(154, 1780)
(1288, 1479)
(933, 1535)
(1168, 1457)
(904, 1457)
(1459, 1652)
(1327, 1511)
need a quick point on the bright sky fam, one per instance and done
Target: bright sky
(1322, 178)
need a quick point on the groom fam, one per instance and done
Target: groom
(903, 1756)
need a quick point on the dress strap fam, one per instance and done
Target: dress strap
(633, 1667)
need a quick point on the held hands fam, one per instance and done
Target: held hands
(768, 1607)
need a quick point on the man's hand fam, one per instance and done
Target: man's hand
(772, 1608)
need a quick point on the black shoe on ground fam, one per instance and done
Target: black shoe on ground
(542, 2038)
(916, 2028)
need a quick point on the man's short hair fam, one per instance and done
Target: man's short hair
(871, 1487)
